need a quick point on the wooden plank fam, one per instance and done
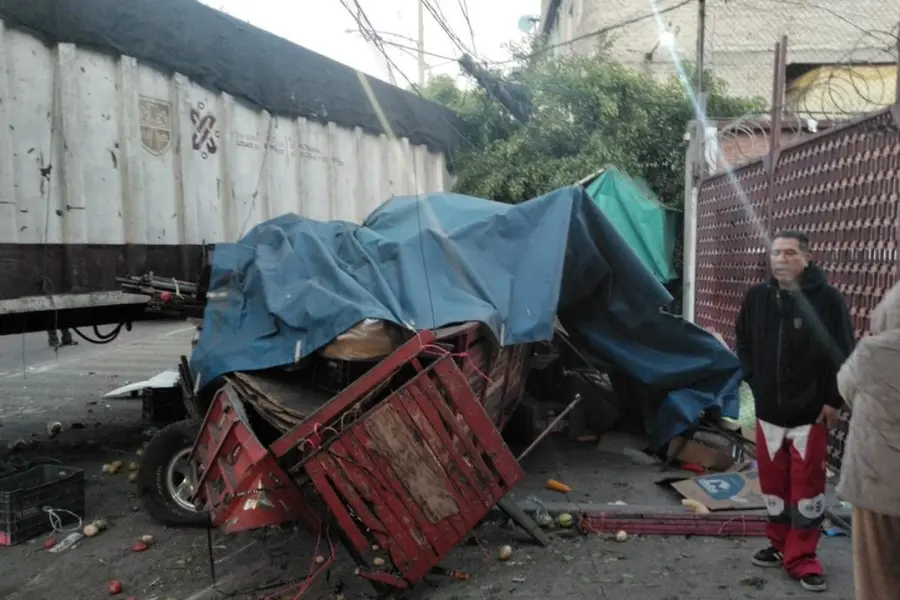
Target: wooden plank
(515, 512)
(442, 452)
(470, 482)
(376, 515)
(435, 528)
(486, 434)
(458, 389)
(412, 463)
(387, 502)
(317, 474)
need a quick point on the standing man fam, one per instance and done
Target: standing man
(793, 334)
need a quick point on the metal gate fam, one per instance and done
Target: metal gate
(842, 187)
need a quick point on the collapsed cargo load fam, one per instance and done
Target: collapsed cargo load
(400, 465)
(357, 378)
(292, 286)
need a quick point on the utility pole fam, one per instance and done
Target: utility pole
(496, 88)
(420, 7)
(699, 92)
(701, 44)
(695, 169)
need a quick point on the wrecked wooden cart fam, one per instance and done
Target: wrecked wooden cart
(400, 466)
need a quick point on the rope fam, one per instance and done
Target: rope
(56, 521)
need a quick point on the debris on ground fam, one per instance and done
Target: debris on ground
(387, 437)
(67, 542)
(558, 486)
(754, 582)
(565, 520)
(18, 445)
(54, 428)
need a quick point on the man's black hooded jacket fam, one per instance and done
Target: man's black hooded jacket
(791, 345)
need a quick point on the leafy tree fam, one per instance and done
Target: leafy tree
(588, 112)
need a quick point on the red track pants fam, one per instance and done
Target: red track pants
(792, 479)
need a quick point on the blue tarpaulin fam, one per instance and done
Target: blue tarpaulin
(292, 284)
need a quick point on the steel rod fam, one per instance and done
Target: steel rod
(550, 427)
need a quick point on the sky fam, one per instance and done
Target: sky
(327, 28)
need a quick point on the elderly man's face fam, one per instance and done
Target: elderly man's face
(788, 260)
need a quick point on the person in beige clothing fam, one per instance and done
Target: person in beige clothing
(870, 384)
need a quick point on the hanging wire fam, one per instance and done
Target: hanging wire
(464, 7)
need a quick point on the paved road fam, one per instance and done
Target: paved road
(39, 384)
(590, 567)
(67, 387)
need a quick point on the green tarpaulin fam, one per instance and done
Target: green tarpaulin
(645, 224)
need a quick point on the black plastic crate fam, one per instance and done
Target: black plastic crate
(163, 405)
(24, 496)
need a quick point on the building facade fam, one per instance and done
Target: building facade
(740, 37)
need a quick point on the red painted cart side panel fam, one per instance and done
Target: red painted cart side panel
(353, 393)
(242, 485)
(419, 472)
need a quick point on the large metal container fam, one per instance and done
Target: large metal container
(109, 165)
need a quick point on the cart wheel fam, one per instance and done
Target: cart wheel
(166, 478)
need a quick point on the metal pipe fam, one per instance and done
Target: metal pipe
(701, 46)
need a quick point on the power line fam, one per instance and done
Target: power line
(412, 86)
(546, 49)
(464, 7)
(369, 34)
(414, 49)
(601, 31)
(441, 20)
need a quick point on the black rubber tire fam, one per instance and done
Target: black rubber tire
(151, 486)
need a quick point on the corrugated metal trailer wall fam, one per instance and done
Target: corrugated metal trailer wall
(109, 165)
(842, 187)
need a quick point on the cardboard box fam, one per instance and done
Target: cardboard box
(723, 491)
(689, 451)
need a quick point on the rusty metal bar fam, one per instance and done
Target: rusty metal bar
(550, 427)
(778, 94)
(777, 115)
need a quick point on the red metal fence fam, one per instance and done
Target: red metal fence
(842, 187)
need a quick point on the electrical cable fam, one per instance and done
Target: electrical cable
(601, 31)
(464, 7)
(545, 49)
(369, 33)
(413, 87)
(439, 17)
(101, 337)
